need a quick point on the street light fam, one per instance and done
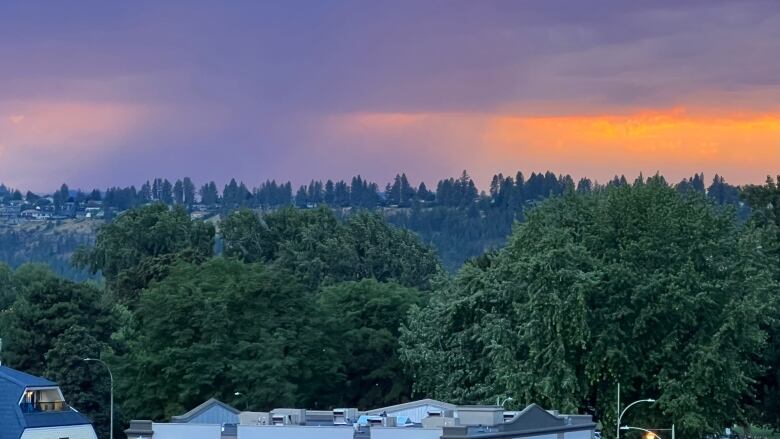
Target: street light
(237, 395)
(620, 416)
(650, 434)
(508, 398)
(111, 416)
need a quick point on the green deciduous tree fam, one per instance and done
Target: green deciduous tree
(764, 201)
(46, 306)
(52, 323)
(86, 386)
(7, 287)
(318, 246)
(218, 328)
(640, 285)
(362, 321)
(141, 244)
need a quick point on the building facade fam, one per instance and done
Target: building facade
(34, 408)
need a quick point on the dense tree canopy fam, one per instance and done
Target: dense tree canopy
(50, 326)
(219, 328)
(323, 249)
(765, 203)
(362, 320)
(658, 287)
(7, 287)
(139, 246)
(638, 285)
(44, 309)
(86, 385)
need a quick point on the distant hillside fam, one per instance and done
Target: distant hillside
(49, 242)
(458, 220)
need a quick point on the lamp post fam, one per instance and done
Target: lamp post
(501, 403)
(621, 413)
(237, 395)
(626, 427)
(111, 415)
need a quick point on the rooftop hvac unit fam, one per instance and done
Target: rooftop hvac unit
(288, 416)
(344, 416)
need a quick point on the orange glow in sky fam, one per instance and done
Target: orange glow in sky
(670, 141)
(676, 142)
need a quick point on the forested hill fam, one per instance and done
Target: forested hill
(634, 283)
(49, 242)
(456, 218)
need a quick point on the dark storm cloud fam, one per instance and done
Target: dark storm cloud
(238, 86)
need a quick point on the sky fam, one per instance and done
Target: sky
(100, 94)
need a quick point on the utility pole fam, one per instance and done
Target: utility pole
(623, 412)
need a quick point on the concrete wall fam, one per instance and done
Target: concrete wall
(189, 431)
(293, 432)
(405, 433)
(72, 432)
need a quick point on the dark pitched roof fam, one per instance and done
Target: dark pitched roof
(534, 417)
(203, 407)
(10, 416)
(24, 379)
(12, 386)
(531, 421)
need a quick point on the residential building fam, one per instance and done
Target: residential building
(424, 419)
(34, 408)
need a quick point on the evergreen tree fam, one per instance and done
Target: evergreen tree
(31, 197)
(188, 189)
(166, 192)
(302, 197)
(330, 193)
(584, 186)
(208, 194)
(178, 192)
(145, 194)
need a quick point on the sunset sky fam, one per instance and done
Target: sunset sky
(98, 93)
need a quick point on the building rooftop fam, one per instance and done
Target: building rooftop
(209, 404)
(13, 384)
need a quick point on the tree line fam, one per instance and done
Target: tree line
(455, 217)
(662, 288)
